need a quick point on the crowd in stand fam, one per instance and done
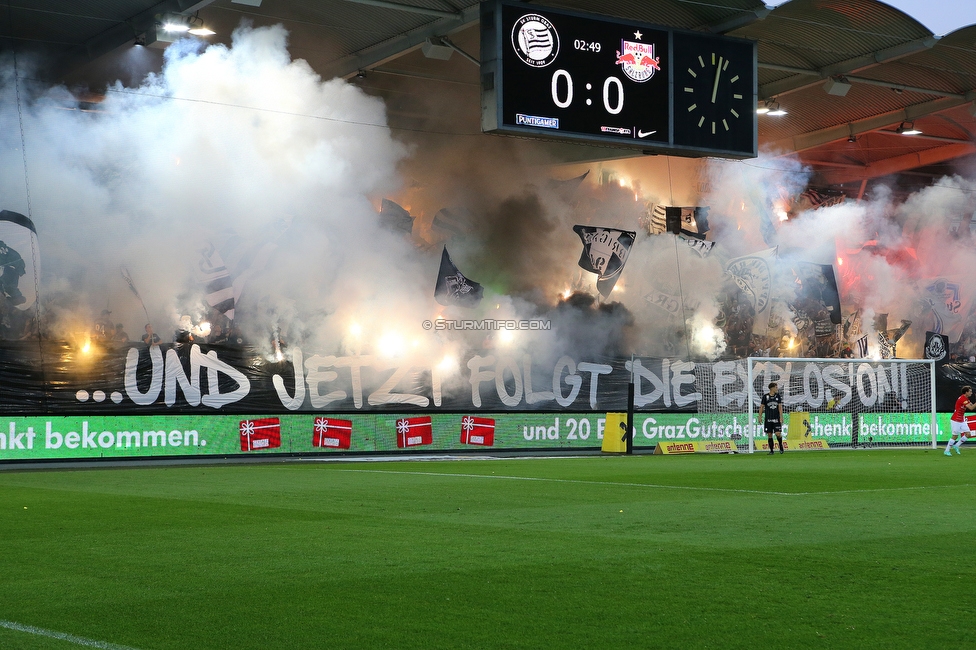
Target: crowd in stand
(222, 331)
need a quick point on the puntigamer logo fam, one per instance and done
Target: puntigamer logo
(535, 40)
(535, 120)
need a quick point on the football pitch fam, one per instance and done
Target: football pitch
(865, 549)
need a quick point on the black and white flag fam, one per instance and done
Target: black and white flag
(18, 262)
(605, 251)
(861, 347)
(687, 221)
(831, 296)
(395, 218)
(895, 335)
(852, 325)
(218, 284)
(569, 185)
(948, 301)
(227, 266)
(667, 302)
(813, 199)
(753, 274)
(817, 282)
(937, 347)
(886, 347)
(450, 221)
(453, 288)
(700, 246)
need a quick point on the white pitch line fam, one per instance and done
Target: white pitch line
(658, 486)
(61, 636)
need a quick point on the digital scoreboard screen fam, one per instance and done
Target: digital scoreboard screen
(561, 75)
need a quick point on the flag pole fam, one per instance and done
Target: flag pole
(630, 409)
(128, 280)
(677, 269)
(681, 294)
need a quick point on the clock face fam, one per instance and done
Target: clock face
(714, 93)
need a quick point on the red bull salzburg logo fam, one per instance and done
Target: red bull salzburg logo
(638, 60)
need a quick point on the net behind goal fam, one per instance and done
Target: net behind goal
(827, 403)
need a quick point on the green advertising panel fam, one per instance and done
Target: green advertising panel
(835, 428)
(37, 438)
(80, 437)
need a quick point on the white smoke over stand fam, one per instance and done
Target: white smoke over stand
(237, 138)
(243, 138)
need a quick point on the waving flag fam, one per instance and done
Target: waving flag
(948, 302)
(450, 221)
(687, 221)
(937, 347)
(813, 199)
(816, 282)
(227, 266)
(753, 274)
(395, 217)
(605, 251)
(453, 288)
(700, 246)
(885, 346)
(852, 325)
(218, 284)
(18, 263)
(766, 227)
(569, 185)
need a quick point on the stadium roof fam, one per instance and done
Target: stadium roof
(899, 72)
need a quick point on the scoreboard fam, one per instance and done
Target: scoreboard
(555, 74)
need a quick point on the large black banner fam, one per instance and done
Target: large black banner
(57, 378)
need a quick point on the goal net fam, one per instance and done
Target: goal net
(827, 403)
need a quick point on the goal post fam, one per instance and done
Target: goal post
(835, 403)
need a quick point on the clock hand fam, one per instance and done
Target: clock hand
(718, 73)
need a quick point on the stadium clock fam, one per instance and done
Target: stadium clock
(554, 74)
(714, 101)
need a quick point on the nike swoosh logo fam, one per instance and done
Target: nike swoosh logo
(644, 134)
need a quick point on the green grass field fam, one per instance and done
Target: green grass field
(818, 549)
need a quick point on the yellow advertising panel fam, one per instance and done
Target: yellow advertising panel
(792, 445)
(798, 428)
(675, 448)
(614, 434)
(696, 447)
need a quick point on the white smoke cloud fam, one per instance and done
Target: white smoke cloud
(235, 138)
(244, 138)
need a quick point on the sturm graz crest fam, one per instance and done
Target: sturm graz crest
(453, 288)
(458, 286)
(535, 40)
(753, 276)
(935, 347)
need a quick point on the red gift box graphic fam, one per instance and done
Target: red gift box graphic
(477, 431)
(264, 433)
(329, 432)
(412, 432)
(971, 421)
